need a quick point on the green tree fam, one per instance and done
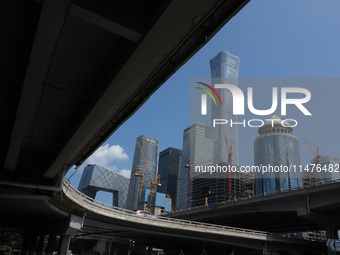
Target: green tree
(13, 240)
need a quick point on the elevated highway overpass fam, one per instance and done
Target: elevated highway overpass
(314, 207)
(174, 232)
(73, 214)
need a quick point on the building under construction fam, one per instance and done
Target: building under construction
(209, 191)
(144, 170)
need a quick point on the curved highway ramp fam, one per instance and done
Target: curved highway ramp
(104, 222)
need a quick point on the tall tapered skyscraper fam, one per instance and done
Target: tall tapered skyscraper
(149, 147)
(224, 70)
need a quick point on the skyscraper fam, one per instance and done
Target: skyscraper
(205, 145)
(168, 168)
(224, 70)
(198, 144)
(276, 146)
(149, 147)
(182, 183)
(96, 178)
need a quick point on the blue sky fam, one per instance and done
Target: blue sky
(274, 39)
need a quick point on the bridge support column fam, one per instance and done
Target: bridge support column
(265, 249)
(75, 223)
(64, 244)
(100, 247)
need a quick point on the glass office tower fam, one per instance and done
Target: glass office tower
(224, 70)
(276, 146)
(198, 144)
(168, 168)
(182, 185)
(151, 155)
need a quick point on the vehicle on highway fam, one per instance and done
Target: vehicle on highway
(145, 214)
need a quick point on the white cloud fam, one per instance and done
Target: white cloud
(125, 172)
(106, 154)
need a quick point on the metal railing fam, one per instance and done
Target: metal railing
(302, 187)
(100, 207)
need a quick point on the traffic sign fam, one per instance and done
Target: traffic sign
(333, 244)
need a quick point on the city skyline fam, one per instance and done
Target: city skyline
(171, 127)
(288, 49)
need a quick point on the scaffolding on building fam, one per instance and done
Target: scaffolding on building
(216, 190)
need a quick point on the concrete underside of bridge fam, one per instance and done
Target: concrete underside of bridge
(73, 71)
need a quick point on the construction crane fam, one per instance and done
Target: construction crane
(140, 173)
(317, 159)
(154, 182)
(230, 161)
